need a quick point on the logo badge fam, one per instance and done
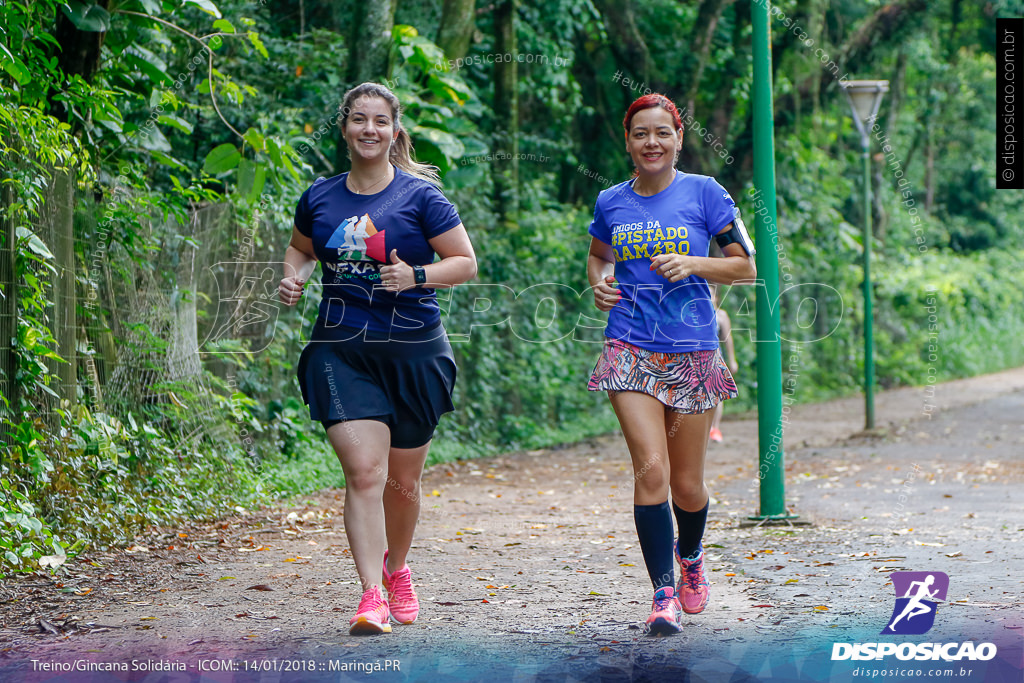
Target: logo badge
(357, 239)
(917, 595)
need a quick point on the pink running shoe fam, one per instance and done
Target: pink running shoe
(664, 619)
(715, 435)
(373, 616)
(402, 600)
(693, 586)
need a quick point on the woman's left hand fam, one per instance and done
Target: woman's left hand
(398, 276)
(673, 267)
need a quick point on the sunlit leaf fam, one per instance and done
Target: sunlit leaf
(14, 66)
(37, 246)
(175, 122)
(221, 159)
(87, 17)
(206, 6)
(254, 38)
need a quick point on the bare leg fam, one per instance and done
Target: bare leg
(687, 447)
(362, 447)
(642, 419)
(716, 419)
(402, 501)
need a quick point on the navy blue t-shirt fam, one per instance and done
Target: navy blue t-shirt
(353, 236)
(655, 314)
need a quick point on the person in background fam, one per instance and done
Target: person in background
(724, 340)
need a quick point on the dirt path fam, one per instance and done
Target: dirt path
(528, 569)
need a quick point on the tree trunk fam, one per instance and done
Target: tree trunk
(458, 19)
(720, 119)
(929, 167)
(79, 54)
(506, 111)
(369, 58)
(896, 88)
(8, 309)
(857, 53)
(62, 242)
(877, 31)
(626, 40)
(700, 47)
(372, 37)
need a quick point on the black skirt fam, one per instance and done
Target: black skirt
(348, 375)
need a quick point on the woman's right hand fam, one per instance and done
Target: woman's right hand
(606, 295)
(290, 290)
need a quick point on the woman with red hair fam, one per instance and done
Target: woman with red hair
(660, 364)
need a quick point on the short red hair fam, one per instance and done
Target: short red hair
(649, 102)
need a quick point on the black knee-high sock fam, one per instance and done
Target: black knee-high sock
(691, 528)
(654, 529)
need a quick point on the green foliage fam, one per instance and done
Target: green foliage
(197, 105)
(522, 351)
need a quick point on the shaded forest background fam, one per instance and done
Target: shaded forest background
(153, 153)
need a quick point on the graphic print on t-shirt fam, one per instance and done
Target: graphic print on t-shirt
(645, 240)
(357, 241)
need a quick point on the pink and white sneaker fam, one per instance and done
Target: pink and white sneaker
(693, 587)
(373, 615)
(402, 600)
(664, 619)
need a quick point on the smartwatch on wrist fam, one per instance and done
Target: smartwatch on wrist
(420, 275)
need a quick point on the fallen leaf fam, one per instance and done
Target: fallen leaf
(52, 561)
(46, 627)
(259, 587)
(821, 608)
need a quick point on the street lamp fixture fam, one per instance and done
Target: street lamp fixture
(865, 97)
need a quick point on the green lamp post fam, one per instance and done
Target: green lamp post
(865, 97)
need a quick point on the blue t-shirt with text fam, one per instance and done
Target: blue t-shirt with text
(655, 314)
(353, 236)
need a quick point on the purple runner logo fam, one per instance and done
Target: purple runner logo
(917, 595)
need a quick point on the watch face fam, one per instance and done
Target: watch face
(421, 275)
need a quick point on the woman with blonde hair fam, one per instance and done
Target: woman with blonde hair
(378, 371)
